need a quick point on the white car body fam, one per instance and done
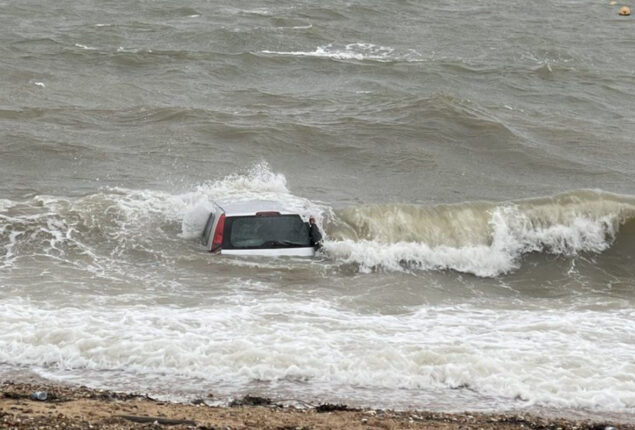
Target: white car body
(256, 228)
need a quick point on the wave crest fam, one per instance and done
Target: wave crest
(260, 183)
(353, 51)
(484, 239)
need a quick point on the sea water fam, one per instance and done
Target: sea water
(471, 167)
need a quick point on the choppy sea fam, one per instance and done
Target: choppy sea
(472, 166)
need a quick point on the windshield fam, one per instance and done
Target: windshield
(257, 232)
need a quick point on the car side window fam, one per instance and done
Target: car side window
(208, 229)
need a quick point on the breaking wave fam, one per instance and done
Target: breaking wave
(259, 183)
(485, 239)
(117, 226)
(481, 238)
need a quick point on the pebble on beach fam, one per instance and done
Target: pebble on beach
(82, 408)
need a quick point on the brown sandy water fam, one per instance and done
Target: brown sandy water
(471, 166)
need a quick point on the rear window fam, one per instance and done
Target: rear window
(257, 232)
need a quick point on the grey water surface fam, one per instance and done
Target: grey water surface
(472, 166)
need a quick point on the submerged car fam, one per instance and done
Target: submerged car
(257, 227)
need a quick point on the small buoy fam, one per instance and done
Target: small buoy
(624, 11)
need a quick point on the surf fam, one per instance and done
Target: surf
(482, 238)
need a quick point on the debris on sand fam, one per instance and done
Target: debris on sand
(251, 401)
(82, 408)
(328, 407)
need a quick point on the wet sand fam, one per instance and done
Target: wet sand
(68, 407)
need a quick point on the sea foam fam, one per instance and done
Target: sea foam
(518, 357)
(353, 51)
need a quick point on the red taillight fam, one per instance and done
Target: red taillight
(218, 234)
(271, 213)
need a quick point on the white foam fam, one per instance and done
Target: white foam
(123, 49)
(262, 11)
(258, 183)
(372, 256)
(9, 256)
(5, 204)
(353, 51)
(86, 47)
(545, 357)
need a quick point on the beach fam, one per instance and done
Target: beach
(83, 408)
(469, 165)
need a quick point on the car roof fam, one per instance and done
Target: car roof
(251, 207)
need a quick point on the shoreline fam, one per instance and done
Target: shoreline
(80, 407)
